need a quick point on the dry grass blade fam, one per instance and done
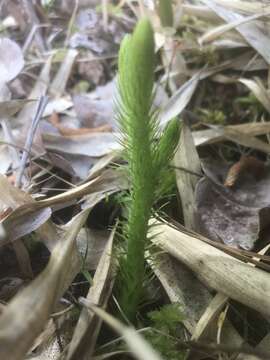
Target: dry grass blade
(244, 6)
(251, 32)
(222, 272)
(247, 140)
(211, 136)
(140, 349)
(88, 326)
(179, 100)
(258, 90)
(213, 34)
(109, 181)
(187, 156)
(68, 195)
(30, 137)
(60, 81)
(202, 12)
(29, 215)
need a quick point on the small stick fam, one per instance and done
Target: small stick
(29, 140)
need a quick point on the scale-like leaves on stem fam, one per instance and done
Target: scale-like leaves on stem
(146, 158)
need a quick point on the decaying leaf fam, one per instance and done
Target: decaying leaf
(35, 302)
(95, 145)
(183, 288)
(91, 244)
(11, 60)
(233, 215)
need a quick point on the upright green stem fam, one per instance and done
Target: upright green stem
(139, 214)
(146, 158)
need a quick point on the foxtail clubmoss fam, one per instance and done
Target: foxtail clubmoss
(147, 158)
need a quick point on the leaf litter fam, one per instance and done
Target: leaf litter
(59, 183)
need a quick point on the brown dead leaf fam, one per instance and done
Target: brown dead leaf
(19, 217)
(24, 318)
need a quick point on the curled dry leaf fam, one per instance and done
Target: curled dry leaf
(22, 217)
(245, 164)
(66, 131)
(23, 221)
